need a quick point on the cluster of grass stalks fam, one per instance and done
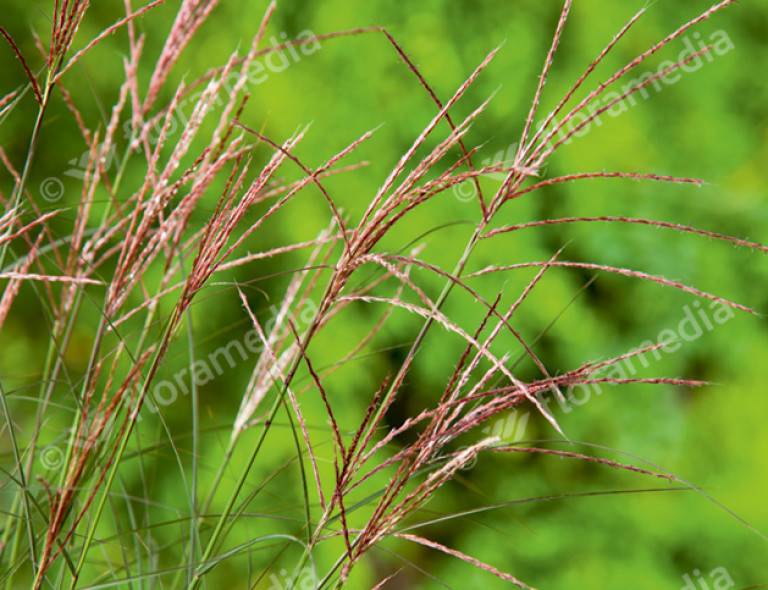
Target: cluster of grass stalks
(144, 257)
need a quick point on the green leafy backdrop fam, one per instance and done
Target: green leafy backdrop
(555, 523)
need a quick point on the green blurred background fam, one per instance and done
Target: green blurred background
(572, 533)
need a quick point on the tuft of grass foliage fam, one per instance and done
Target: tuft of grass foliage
(144, 255)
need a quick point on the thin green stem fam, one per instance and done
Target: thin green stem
(123, 445)
(17, 194)
(22, 479)
(208, 553)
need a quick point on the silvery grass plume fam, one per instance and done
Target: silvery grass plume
(145, 261)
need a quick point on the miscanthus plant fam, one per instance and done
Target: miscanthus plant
(143, 254)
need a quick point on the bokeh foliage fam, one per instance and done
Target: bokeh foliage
(712, 124)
